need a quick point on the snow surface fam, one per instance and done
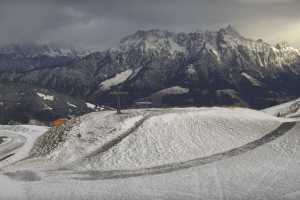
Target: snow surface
(252, 80)
(164, 136)
(90, 105)
(71, 105)
(177, 137)
(46, 107)
(269, 171)
(157, 97)
(28, 132)
(45, 96)
(173, 90)
(152, 41)
(289, 109)
(116, 80)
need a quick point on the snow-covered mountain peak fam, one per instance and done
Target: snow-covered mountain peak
(282, 45)
(231, 36)
(231, 30)
(148, 34)
(152, 41)
(287, 54)
(221, 45)
(285, 47)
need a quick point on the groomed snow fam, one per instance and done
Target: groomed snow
(148, 138)
(87, 134)
(183, 135)
(271, 171)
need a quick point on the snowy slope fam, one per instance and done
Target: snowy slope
(157, 97)
(182, 135)
(268, 171)
(116, 80)
(27, 136)
(147, 138)
(289, 109)
(157, 41)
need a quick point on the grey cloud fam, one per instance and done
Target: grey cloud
(101, 24)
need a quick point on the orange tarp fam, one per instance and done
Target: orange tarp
(58, 122)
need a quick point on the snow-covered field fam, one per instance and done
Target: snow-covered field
(190, 153)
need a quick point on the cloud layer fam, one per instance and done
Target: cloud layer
(100, 24)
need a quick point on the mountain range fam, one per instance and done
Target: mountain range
(168, 69)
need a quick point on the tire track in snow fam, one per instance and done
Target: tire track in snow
(105, 147)
(113, 174)
(121, 137)
(2, 139)
(110, 144)
(14, 142)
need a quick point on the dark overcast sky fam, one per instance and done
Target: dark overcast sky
(100, 24)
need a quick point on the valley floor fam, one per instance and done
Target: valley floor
(240, 154)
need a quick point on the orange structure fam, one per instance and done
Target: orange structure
(58, 122)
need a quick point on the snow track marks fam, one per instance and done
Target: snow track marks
(94, 175)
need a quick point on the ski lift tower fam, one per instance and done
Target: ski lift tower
(118, 95)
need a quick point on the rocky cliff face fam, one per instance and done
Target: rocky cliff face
(213, 68)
